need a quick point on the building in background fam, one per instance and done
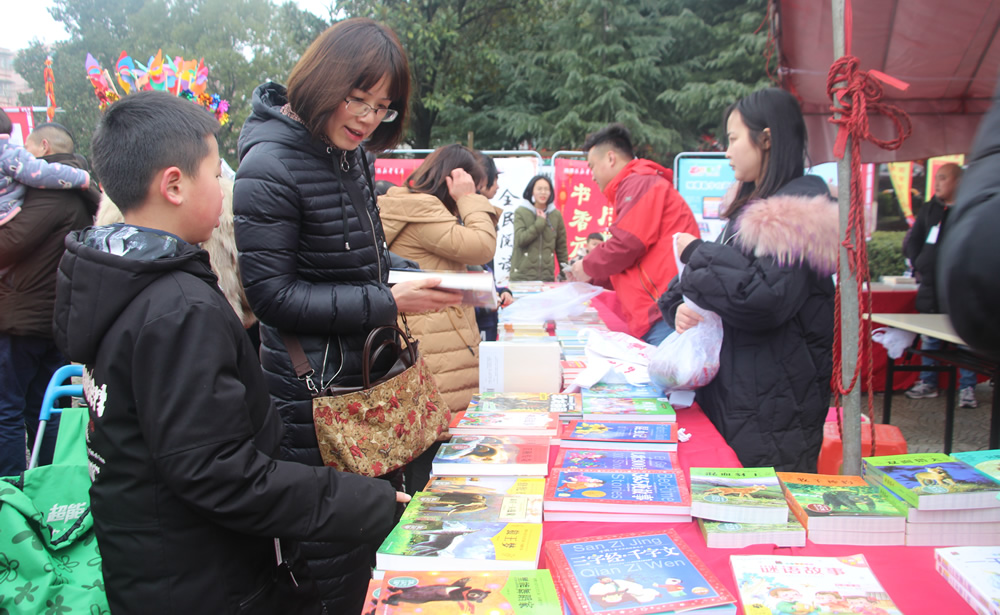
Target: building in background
(11, 83)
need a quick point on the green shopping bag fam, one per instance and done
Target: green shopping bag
(49, 561)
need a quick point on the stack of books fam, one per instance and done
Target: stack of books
(973, 572)
(496, 593)
(619, 435)
(566, 405)
(617, 495)
(800, 584)
(737, 507)
(635, 409)
(947, 501)
(843, 510)
(489, 455)
(475, 422)
(635, 573)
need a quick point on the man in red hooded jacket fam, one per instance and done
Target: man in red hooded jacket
(638, 260)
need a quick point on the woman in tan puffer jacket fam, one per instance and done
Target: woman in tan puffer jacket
(438, 220)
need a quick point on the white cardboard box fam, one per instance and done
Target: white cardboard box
(520, 367)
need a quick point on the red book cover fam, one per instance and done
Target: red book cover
(640, 572)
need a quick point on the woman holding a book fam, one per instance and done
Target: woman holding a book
(769, 277)
(439, 220)
(311, 248)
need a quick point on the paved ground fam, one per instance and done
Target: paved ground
(922, 421)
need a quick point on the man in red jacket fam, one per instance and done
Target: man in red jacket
(638, 259)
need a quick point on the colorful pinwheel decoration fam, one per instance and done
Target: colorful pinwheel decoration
(183, 78)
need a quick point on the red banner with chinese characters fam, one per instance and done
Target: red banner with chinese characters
(395, 170)
(583, 206)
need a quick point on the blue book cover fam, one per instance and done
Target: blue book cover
(591, 459)
(620, 432)
(641, 572)
(662, 491)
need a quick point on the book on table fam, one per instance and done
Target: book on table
(737, 495)
(778, 585)
(470, 423)
(372, 597)
(933, 481)
(619, 435)
(459, 506)
(987, 462)
(621, 389)
(726, 535)
(615, 517)
(597, 459)
(493, 401)
(833, 502)
(488, 485)
(958, 515)
(973, 573)
(636, 409)
(961, 535)
(447, 544)
(634, 573)
(478, 288)
(663, 492)
(513, 592)
(492, 456)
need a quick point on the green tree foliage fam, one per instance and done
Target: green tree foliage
(454, 49)
(244, 43)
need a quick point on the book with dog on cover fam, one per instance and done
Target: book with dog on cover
(933, 481)
(492, 456)
(634, 574)
(516, 592)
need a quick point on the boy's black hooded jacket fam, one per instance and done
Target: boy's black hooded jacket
(183, 435)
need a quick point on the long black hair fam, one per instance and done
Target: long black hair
(778, 111)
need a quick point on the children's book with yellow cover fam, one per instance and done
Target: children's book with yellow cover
(527, 592)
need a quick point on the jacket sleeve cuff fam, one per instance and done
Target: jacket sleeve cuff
(689, 250)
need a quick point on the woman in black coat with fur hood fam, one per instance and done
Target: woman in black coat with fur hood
(769, 278)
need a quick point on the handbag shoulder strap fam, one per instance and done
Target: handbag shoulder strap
(300, 362)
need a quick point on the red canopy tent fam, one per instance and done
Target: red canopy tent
(948, 52)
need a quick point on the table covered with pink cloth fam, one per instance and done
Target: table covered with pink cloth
(906, 573)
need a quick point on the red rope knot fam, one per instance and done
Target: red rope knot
(859, 93)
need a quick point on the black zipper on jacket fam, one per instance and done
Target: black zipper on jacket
(353, 191)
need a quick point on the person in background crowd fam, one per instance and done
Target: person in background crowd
(539, 235)
(769, 278)
(968, 266)
(311, 246)
(487, 319)
(21, 169)
(637, 260)
(593, 240)
(31, 245)
(922, 250)
(438, 220)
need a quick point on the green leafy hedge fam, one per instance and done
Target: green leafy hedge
(885, 254)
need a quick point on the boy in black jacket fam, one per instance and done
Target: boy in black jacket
(187, 493)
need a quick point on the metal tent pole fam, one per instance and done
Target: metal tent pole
(848, 285)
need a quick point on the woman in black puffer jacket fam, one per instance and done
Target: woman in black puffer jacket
(313, 257)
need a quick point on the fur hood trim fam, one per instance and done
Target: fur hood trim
(525, 203)
(793, 230)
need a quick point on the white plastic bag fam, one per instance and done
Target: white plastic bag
(561, 302)
(689, 360)
(895, 340)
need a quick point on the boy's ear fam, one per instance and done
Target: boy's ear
(170, 185)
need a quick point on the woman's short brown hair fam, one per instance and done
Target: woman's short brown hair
(353, 54)
(429, 177)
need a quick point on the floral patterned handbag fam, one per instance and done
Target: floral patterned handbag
(382, 425)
